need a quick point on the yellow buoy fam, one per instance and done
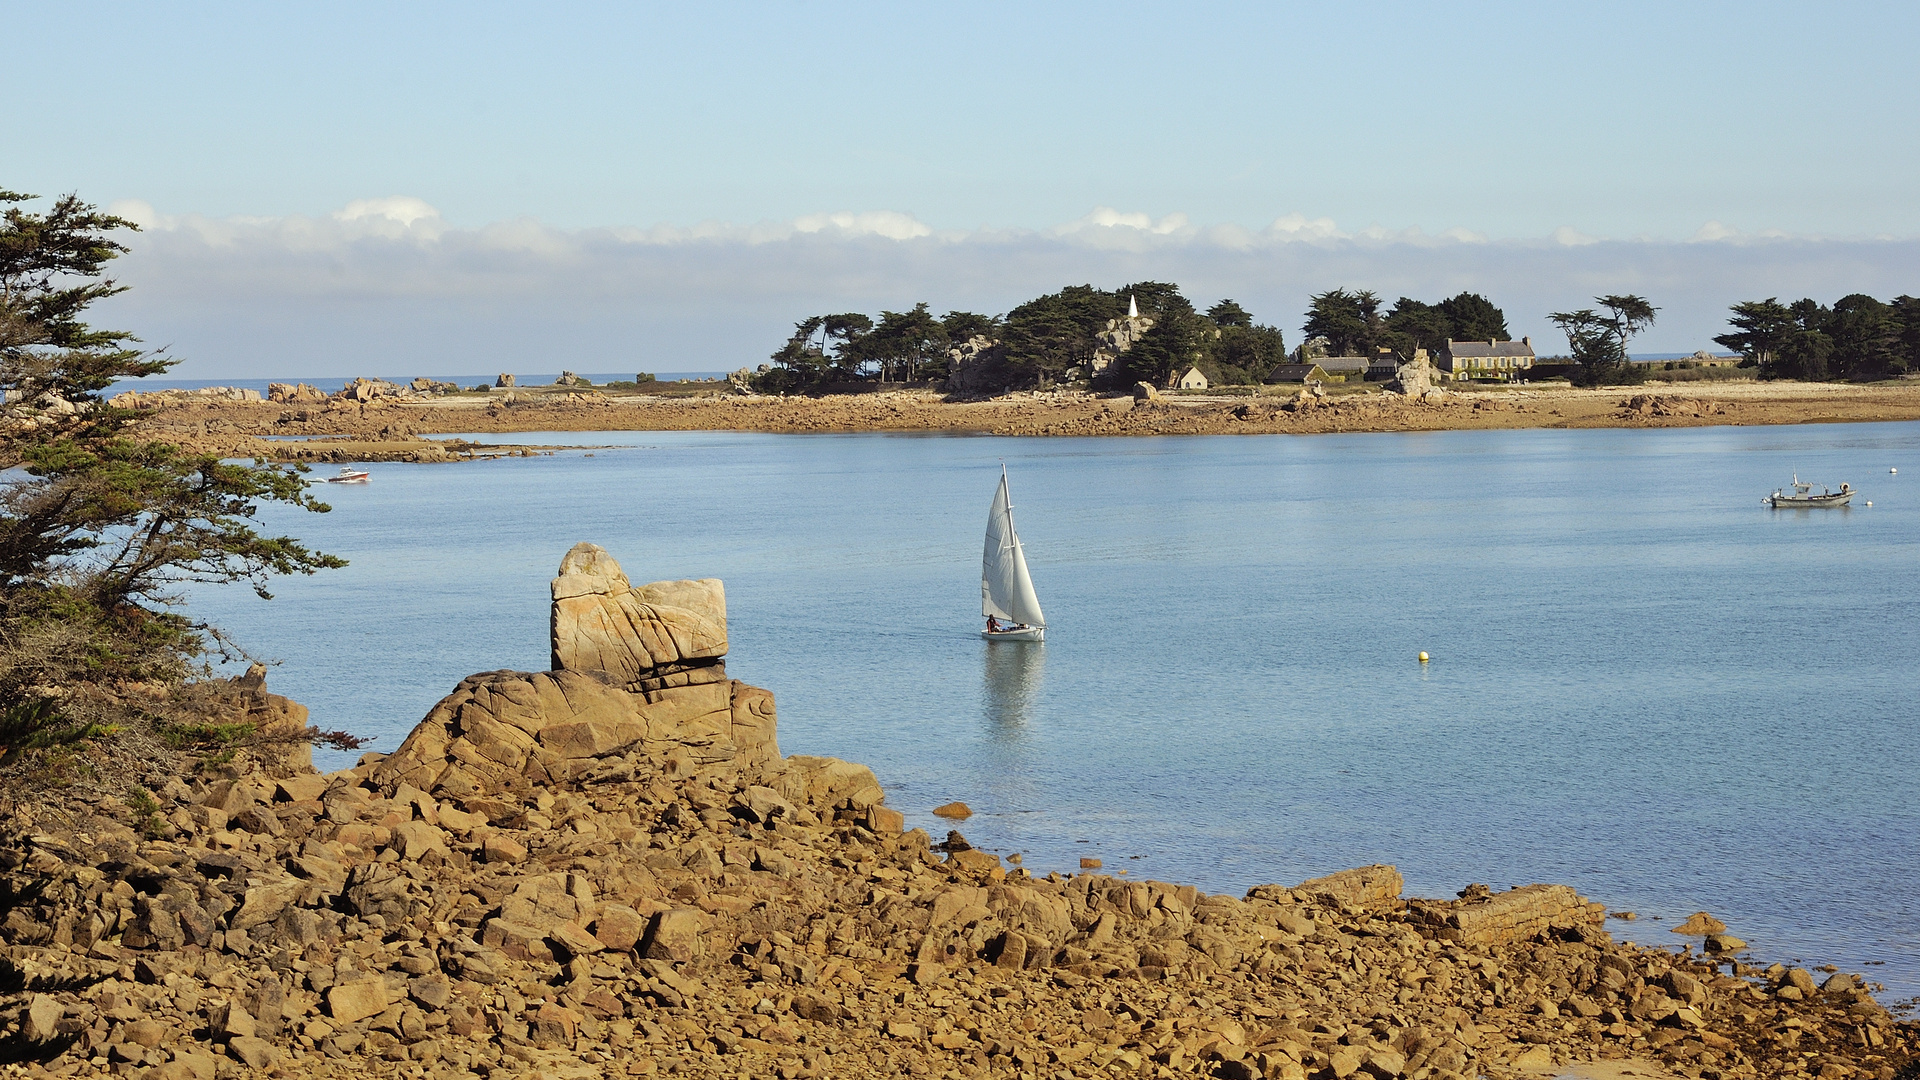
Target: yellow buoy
(1423, 658)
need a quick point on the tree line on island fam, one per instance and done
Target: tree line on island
(1858, 338)
(1082, 335)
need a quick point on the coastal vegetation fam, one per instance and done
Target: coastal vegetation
(1082, 335)
(1043, 342)
(1353, 324)
(1858, 338)
(1086, 335)
(101, 527)
(1597, 340)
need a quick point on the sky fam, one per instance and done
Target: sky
(348, 188)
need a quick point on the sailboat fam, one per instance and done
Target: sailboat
(1006, 590)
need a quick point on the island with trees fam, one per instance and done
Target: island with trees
(1094, 338)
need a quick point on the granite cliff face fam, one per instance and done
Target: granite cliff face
(608, 868)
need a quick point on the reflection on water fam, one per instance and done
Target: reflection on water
(1013, 670)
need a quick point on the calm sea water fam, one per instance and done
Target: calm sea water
(1644, 683)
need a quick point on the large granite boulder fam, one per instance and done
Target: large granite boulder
(509, 730)
(1414, 377)
(636, 671)
(602, 623)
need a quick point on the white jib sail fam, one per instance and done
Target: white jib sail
(1006, 591)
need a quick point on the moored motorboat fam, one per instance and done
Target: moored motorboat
(1803, 496)
(348, 475)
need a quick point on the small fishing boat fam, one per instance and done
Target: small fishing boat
(1006, 590)
(1803, 496)
(349, 475)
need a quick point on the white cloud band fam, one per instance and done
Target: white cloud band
(386, 285)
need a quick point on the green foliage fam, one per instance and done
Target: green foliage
(205, 735)
(217, 743)
(1175, 342)
(37, 723)
(1047, 335)
(1228, 313)
(146, 812)
(1156, 299)
(1244, 354)
(1598, 339)
(963, 326)
(1350, 321)
(837, 354)
(906, 345)
(1859, 337)
(1413, 324)
(50, 271)
(1472, 317)
(1036, 344)
(99, 528)
(1760, 331)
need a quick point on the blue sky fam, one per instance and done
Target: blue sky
(976, 154)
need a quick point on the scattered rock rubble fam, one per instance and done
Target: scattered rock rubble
(1648, 407)
(609, 869)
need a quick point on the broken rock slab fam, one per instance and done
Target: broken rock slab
(603, 624)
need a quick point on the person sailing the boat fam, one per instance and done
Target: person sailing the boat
(993, 625)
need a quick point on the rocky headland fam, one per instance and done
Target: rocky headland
(609, 869)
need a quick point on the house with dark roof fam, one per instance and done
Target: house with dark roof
(1296, 373)
(1353, 368)
(1500, 361)
(1385, 363)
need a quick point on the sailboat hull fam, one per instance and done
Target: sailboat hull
(1031, 633)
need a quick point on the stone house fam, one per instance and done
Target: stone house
(1346, 368)
(1386, 362)
(1297, 373)
(1495, 360)
(1192, 380)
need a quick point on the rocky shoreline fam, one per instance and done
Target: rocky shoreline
(609, 869)
(394, 428)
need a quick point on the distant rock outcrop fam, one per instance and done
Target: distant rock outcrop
(294, 394)
(153, 399)
(971, 364)
(1119, 337)
(1414, 377)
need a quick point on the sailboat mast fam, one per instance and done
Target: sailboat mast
(1012, 536)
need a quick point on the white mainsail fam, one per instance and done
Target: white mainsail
(1006, 591)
